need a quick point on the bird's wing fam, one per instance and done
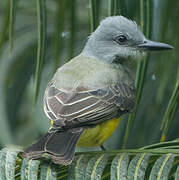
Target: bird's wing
(87, 106)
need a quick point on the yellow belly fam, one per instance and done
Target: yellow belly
(97, 135)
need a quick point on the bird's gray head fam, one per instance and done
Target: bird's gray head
(117, 39)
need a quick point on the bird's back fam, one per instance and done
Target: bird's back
(90, 73)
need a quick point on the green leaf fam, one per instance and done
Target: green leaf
(11, 23)
(5, 25)
(161, 145)
(72, 27)
(94, 14)
(119, 167)
(41, 20)
(29, 169)
(137, 167)
(161, 168)
(96, 166)
(48, 171)
(170, 110)
(177, 173)
(8, 163)
(62, 173)
(146, 25)
(17, 69)
(77, 169)
(60, 19)
(13, 70)
(117, 7)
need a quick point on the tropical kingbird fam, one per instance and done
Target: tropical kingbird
(86, 97)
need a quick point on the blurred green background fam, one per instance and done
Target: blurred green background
(68, 26)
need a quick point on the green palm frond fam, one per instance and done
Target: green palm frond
(117, 7)
(12, 16)
(135, 164)
(5, 26)
(41, 20)
(94, 14)
(60, 18)
(145, 23)
(171, 110)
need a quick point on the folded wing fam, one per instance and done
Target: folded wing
(85, 107)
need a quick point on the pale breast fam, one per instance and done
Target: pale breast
(87, 72)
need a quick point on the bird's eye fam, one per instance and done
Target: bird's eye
(121, 39)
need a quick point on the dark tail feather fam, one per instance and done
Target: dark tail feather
(59, 145)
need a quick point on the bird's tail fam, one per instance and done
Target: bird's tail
(58, 145)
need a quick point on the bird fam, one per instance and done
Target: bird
(87, 96)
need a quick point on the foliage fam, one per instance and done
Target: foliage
(160, 162)
(38, 36)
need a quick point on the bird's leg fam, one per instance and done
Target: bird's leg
(103, 148)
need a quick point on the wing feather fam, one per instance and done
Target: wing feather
(87, 106)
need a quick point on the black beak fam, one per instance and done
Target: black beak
(154, 46)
